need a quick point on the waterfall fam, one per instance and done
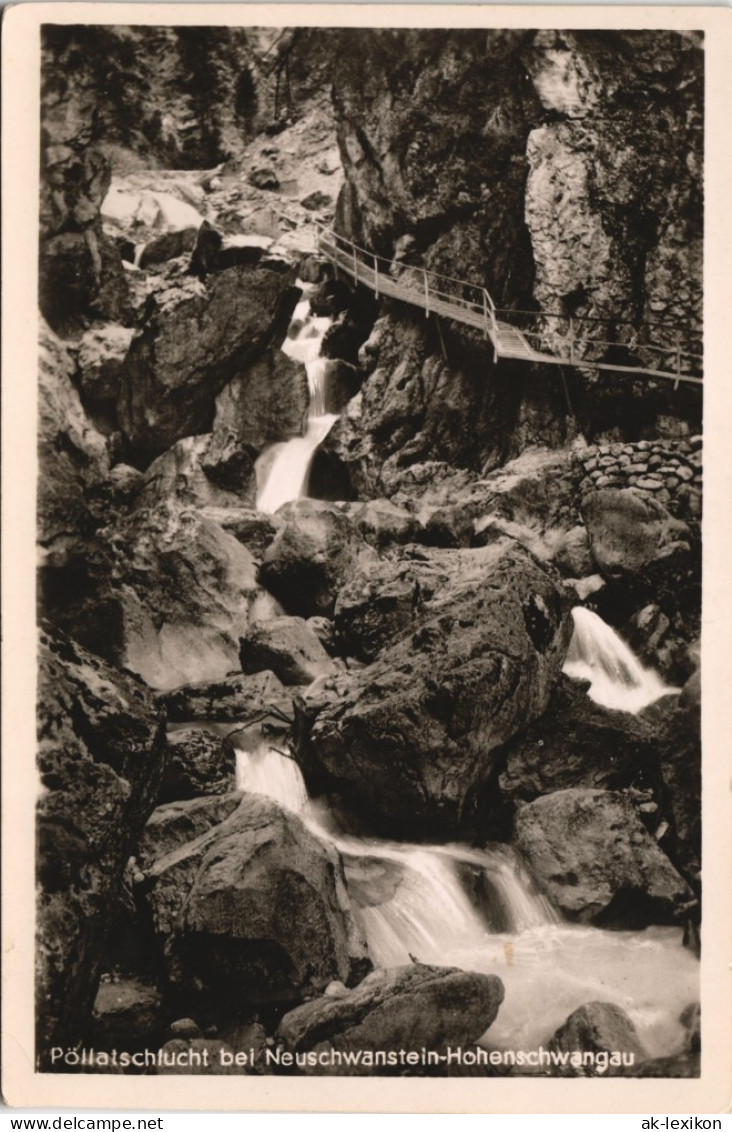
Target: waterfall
(282, 473)
(265, 770)
(477, 909)
(617, 678)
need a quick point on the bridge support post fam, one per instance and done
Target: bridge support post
(426, 295)
(678, 361)
(376, 277)
(355, 266)
(571, 341)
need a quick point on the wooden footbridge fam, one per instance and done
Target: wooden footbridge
(513, 333)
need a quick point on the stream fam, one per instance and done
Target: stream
(478, 908)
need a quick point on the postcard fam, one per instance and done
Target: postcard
(366, 558)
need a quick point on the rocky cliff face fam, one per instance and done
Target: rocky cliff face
(563, 171)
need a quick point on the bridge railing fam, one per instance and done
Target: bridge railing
(654, 347)
(428, 289)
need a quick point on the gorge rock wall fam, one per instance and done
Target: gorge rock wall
(562, 171)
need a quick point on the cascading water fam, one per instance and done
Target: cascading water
(283, 471)
(617, 678)
(265, 770)
(477, 909)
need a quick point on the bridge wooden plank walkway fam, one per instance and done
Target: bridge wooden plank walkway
(472, 305)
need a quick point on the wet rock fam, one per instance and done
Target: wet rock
(128, 1014)
(421, 725)
(382, 523)
(348, 331)
(195, 339)
(402, 1008)
(258, 912)
(251, 528)
(162, 592)
(175, 824)
(169, 245)
(573, 556)
(81, 278)
(577, 742)
(236, 698)
(592, 856)
(598, 1028)
(629, 531)
(264, 404)
(286, 646)
(200, 763)
(100, 758)
(185, 604)
(331, 298)
(375, 606)
(190, 474)
(310, 558)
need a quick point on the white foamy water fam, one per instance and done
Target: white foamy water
(617, 678)
(477, 909)
(264, 770)
(283, 472)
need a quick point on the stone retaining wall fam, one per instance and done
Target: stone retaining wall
(671, 470)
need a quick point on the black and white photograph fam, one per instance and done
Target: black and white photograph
(371, 440)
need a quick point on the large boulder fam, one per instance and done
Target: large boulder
(196, 338)
(201, 763)
(100, 758)
(287, 646)
(175, 824)
(382, 599)
(163, 592)
(629, 530)
(414, 734)
(590, 853)
(310, 558)
(265, 403)
(604, 1031)
(254, 910)
(396, 1012)
(193, 473)
(382, 523)
(253, 529)
(576, 742)
(185, 604)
